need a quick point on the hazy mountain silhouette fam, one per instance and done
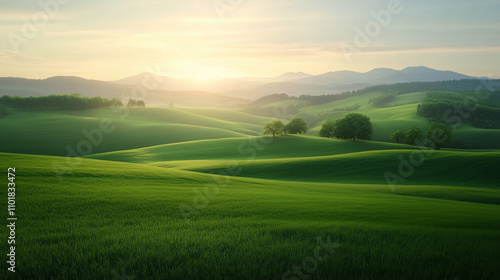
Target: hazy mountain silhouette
(163, 89)
(383, 76)
(167, 83)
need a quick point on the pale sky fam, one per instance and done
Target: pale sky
(109, 40)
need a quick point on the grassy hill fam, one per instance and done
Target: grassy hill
(266, 147)
(400, 113)
(305, 158)
(110, 218)
(50, 132)
(147, 203)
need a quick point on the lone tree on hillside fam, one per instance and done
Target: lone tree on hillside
(413, 135)
(354, 126)
(439, 135)
(296, 126)
(274, 127)
(398, 136)
(327, 129)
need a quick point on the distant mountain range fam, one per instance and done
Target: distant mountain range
(299, 83)
(383, 76)
(227, 90)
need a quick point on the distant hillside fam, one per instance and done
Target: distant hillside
(383, 76)
(281, 78)
(90, 88)
(340, 81)
(293, 89)
(166, 83)
(400, 88)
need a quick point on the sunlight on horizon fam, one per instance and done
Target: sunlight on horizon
(193, 39)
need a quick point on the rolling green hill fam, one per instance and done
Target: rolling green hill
(50, 132)
(108, 217)
(305, 158)
(400, 113)
(266, 147)
(147, 203)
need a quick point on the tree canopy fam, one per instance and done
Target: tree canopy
(296, 125)
(439, 135)
(58, 102)
(354, 126)
(328, 129)
(413, 135)
(136, 103)
(274, 127)
(398, 136)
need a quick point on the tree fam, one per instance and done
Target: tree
(274, 127)
(115, 102)
(140, 103)
(413, 135)
(327, 129)
(354, 126)
(439, 135)
(131, 103)
(136, 103)
(296, 126)
(398, 136)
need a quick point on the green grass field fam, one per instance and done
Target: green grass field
(199, 194)
(108, 216)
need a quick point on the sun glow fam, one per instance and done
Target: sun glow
(196, 71)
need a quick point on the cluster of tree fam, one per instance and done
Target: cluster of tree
(353, 126)
(294, 126)
(462, 106)
(410, 136)
(135, 103)
(438, 136)
(381, 101)
(58, 102)
(3, 110)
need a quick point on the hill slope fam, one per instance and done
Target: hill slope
(249, 147)
(152, 96)
(52, 132)
(151, 223)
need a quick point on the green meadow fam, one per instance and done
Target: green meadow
(193, 193)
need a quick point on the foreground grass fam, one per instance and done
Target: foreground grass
(106, 218)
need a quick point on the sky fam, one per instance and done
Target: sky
(203, 39)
